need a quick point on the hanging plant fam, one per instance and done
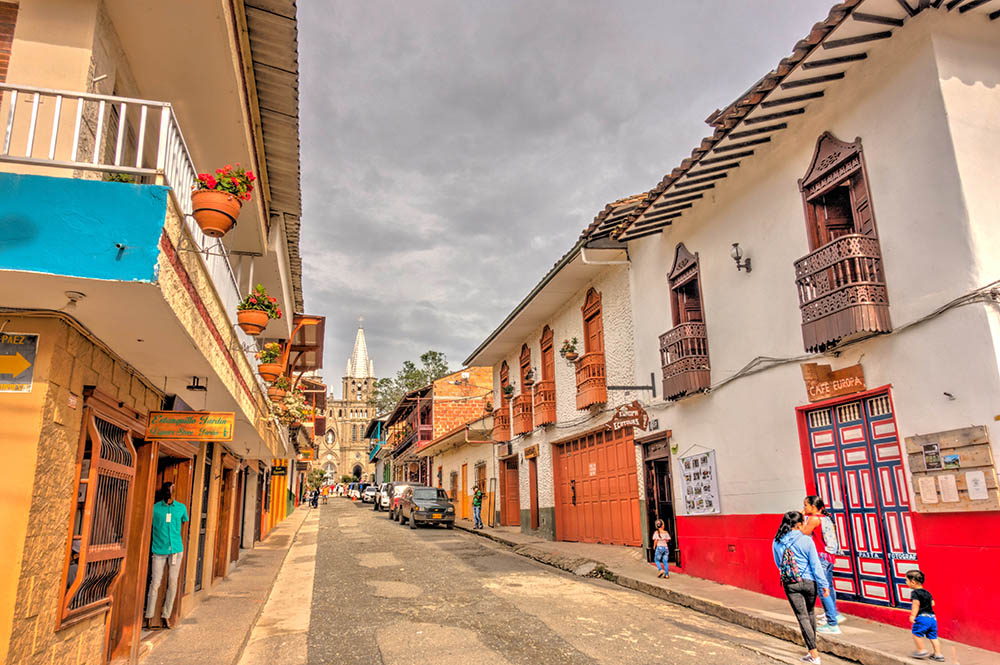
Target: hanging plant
(568, 349)
(292, 408)
(276, 391)
(256, 310)
(268, 369)
(217, 199)
(508, 391)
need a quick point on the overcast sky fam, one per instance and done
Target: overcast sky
(453, 151)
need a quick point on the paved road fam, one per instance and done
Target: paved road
(387, 595)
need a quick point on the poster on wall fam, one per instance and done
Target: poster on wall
(701, 484)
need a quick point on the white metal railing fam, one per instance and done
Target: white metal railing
(95, 133)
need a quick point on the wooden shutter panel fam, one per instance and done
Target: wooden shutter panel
(8, 17)
(864, 220)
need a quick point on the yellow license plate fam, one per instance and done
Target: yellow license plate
(436, 516)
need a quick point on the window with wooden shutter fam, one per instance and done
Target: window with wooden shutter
(8, 17)
(105, 468)
(545, 390)
(684, 348)
(591, 387)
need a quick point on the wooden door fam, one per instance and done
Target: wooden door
(660, 502)
(465, 492)
(533, 491)
(510, 502)
(222, 524)
(597, 489)
(238, 517)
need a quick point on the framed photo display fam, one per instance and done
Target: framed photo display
(700, 481)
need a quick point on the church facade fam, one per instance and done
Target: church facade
(344, 450)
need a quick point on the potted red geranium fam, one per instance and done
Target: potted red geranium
(256, 310)
(268, 369)
(217, 199)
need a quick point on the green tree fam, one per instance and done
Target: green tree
(315, 479)
(387, 393)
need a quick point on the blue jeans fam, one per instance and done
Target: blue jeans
(660, 559)
(477, 515)
(829, 602)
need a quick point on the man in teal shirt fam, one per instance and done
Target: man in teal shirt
(168, 550)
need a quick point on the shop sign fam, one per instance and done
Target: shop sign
(281, 470)
(17, 362)
(824, 382)
(307, 455)
(190, 426)
(629, 415)
(531, 452)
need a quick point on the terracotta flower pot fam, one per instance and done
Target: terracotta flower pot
(215, 211)
(253, 321)
(275, 393)
(269, 371)
(572, 357)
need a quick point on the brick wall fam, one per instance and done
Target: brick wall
(67, 361)
(8, 16)
(458, 400)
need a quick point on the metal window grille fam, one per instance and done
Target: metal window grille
(819, 418)
(106, 461)
(879, 406)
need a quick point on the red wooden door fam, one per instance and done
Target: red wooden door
(510, 512)
(597, 489)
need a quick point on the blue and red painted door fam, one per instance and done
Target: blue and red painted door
(854, 458)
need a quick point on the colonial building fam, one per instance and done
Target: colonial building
(346, 452)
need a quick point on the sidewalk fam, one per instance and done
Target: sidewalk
(867, 642)
(217, 631)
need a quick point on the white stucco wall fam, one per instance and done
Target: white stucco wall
(936, 218)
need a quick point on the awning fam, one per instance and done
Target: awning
(305, 348)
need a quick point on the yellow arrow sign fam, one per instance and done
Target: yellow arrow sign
(13, 365)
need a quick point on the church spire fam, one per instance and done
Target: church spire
(359, 365)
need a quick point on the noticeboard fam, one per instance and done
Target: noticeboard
(190, 426)
(17, 361)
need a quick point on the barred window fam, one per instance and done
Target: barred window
(96, 548)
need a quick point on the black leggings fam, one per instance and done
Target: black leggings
(802, 598)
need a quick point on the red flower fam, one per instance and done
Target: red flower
(250, 176)
(211, 182)
(273, 299)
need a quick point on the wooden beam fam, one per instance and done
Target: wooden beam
(860, 39)
(745, 144)
(995, 15)
(711, 169)
(906, 7)
(772, 116)
(680, 200)
(709, 178)
(676, 208)
(829, 62)
(685, 192)
(655, 219)
(875, 18)
(971, 5)
(794, 99)
(759, 130)
(645, 233)
(823, 78)
(735, 155)
(951, 4)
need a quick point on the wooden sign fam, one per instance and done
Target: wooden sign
(280, 470)
(531, 452)
(823, 382)
(190, 426)
(629, 415)
(953, 471)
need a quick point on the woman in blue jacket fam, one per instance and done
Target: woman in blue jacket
(801, 572)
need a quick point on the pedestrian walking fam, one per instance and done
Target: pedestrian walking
(801, 573)
(477, 507)
(661, 549)
(314, 498)
(922, 617)
(820, 526)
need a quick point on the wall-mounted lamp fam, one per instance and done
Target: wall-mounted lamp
(196, 385)
(73, 298)
(737, 253)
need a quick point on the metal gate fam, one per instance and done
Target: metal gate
(597, 489)
(857, 464)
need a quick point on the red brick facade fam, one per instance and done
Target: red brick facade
(8, 16)
(458, 400)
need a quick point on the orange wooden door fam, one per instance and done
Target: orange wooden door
(466, 504)
(222, 525)
(510, 513)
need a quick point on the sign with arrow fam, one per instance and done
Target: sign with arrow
(17, 361)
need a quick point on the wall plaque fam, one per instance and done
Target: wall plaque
(824, 382)
(953, 471)
(629, 415)
(17, 362)
(531, 452)
(190, 425)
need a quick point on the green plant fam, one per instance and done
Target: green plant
(316, 478)
(236, 181)
(282, 383)
(269, 353)
(259, 300)
(292, 408)
(120, 177)
(347, 479)
(568, 346)
(508, 390)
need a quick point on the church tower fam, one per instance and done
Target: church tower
(349, 416)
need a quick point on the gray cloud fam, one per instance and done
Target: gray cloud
(453, 150)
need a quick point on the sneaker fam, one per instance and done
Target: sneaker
(937, 657)
(840, 618)
(920, 655)
(829, 630)
(809, 659)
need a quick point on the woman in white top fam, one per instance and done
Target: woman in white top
(661, 551)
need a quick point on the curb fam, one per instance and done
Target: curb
(590, 568)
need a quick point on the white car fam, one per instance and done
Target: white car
(368, 496)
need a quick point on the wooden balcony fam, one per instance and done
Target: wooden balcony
(545, 402)
(842, 291)
(684, 357)
(522, 414)
(501, 422)
(591, 385)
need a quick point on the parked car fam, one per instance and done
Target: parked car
(368, 494)
(380, 491)
(426, 505)
(397, 492)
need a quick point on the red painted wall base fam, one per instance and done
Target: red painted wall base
(957, 552)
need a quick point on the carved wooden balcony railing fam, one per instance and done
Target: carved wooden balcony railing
(545, 402)
(842, 291)
(684, 356)
(522, 414)
(501, 422)
(591, 385)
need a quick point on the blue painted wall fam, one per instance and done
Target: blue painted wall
(69, 226)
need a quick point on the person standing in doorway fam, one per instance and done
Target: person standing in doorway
(824, 534)
(477, 507)
(801, 573)
(168, 551)
(661, 549)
